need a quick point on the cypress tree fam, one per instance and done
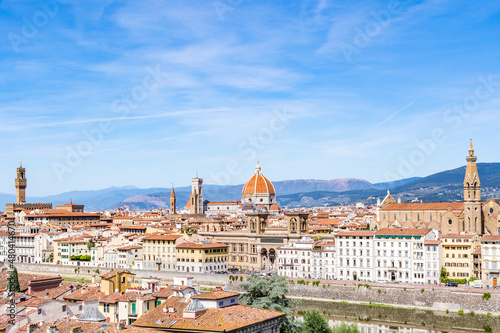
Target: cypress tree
(13, 282)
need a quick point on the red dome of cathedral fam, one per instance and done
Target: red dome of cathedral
(258, 184)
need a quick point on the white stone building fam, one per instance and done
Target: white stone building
(128, 256)
(490, 257)
(433, 261)
(307, 258)
(400, 254)
(354, 251)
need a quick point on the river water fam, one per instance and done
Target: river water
(380, 319)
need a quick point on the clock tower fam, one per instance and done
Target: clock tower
(21, 184)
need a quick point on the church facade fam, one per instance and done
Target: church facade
(472, 215)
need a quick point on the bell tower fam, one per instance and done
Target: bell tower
(297, 223)
(472, 195)
(196, 196)
(173, 202)
(21, 185)
(257, 222)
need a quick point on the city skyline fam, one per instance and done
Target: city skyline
(108, 94)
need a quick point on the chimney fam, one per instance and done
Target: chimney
(52, 329)
(122, 325)
(32, 328)
(76, 329)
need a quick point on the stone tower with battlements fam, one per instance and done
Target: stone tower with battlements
(21, 185)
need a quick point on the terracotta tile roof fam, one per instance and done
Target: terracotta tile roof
(223, 202)
(63, 213)
(216, 320)
(112, 274)
(163, 293)
(85, 294)
(34, 302)
(402, 231)
(52, 293)
(356, 233)
(180, 288)
(424, 206)
(23, 280)
(66, 325)
(491, 238)
(119, 297)
(221, 294)
(458, 236)
(433, 242)
(163, 237)
(319, 227)
(131, 247)
(191, 245)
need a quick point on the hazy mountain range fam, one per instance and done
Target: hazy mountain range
(443, 186)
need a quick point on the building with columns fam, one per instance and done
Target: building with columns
(472, 215)
(256, 248)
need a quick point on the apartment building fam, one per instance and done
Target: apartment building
(490, 254)
(202, 257)
(458, 254)
(159, 251)
(354, 251)
(307, 258)
(400, 254)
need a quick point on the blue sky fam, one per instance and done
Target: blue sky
(104, 93)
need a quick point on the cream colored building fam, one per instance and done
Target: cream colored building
(65, 248)
(457, 255)
(201, 257)
(159, 251)
(256, 247)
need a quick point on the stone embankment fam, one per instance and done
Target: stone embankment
(436, 298)
(90, 272)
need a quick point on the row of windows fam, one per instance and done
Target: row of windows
(454, 264)
(464, 256)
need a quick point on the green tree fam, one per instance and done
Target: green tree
(443, 274)
(314, 323)
(269, 293)
(13, 282)
(51, 257)
(346, 328)
(90, 244)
